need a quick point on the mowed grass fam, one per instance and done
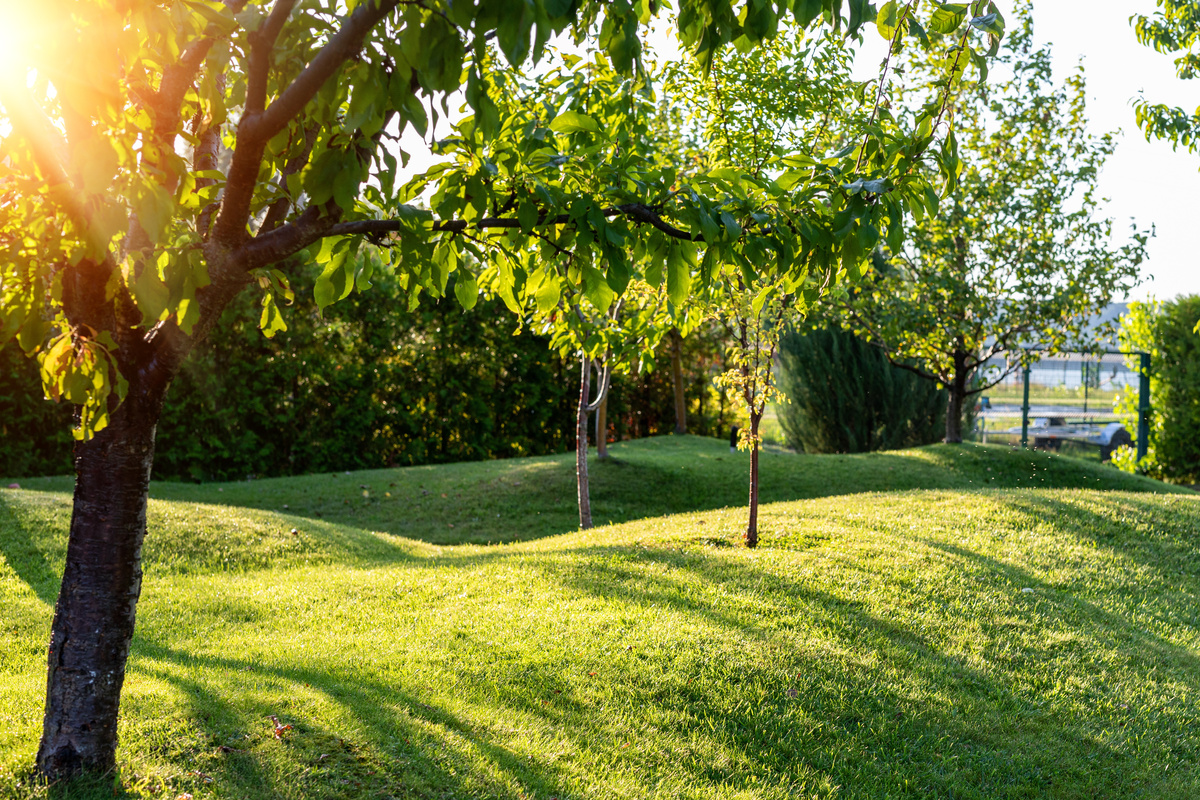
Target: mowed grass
(976, 639)
(489, 502)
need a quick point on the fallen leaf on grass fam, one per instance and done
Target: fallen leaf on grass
(279, 729)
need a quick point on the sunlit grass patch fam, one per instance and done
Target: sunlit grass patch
(956, 641)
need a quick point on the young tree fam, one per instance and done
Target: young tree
(805, 105)
(1015, 257)
(163, 157)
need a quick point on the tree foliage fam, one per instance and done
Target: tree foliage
(160, 158)
(1173, 28)
(1015, 256)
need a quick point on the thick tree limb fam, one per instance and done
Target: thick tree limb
(257, 127)
(341, 46)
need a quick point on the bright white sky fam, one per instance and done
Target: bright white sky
(1145, 181)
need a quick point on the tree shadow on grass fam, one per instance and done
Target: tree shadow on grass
(398, 747)
(822, 692)
(32, 549)
(927, 720)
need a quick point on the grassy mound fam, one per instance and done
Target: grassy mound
(522, 499)
(885, 641)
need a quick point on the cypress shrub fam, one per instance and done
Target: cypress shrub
(845, 397)
(1177, 353)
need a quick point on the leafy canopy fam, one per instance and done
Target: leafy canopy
(161, 157)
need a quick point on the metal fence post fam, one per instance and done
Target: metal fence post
(1143, 437)
(1025, 410)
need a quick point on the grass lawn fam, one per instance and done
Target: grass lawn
(968, 622)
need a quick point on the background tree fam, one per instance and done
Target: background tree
(805, 102)
(1015, 257)
(162, 159)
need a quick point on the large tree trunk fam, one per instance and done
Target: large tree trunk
(581, 446)
(602, 428)
(752, 523)
(677, 378)
(94, 617)
(958, 394)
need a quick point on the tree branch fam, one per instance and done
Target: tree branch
(637, 212)
(341, 46)
(258, 126)
(262, 42)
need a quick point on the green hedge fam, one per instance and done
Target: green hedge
(1168, 332)
(370, 384)
(35, 434)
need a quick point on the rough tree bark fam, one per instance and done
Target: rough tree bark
(958, 394)
(677, 378)
(94, 616)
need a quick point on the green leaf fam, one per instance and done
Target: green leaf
(271, 321)
(596, 289)
(154, 206)
(888, 19)
(527, 215)
(679, 276)
(947, 17)
(334, 282)
(574, 122)
(989, 23)
(861, 12)
(547, 293)
(466, 289)
(150, 293)
(806, 11)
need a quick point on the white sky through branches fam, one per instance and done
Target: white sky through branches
(1145, 182)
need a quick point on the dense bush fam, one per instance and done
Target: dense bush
(370, 384)
(35, 435)
(846, 398)
(1168, 332)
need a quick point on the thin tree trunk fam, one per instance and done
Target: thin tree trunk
(677, 377)
(958, 393)
(752, 524)
(581, 446)
(602, 428)
(102, 580)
